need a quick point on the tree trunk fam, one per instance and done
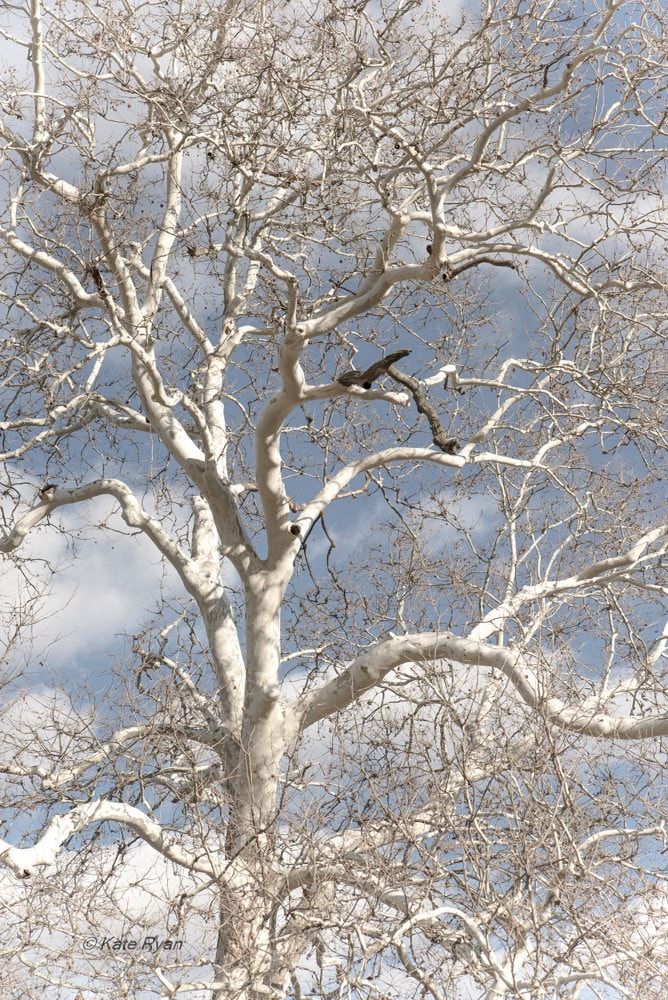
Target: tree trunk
(243, 954)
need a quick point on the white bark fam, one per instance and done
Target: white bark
(380, 721)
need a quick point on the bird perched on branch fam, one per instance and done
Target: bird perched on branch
(374, 371)
(47, 491)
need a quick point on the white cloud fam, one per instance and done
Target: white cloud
(104, 587)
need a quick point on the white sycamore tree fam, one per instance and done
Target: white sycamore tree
(350, 316)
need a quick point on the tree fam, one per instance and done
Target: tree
(391, 726)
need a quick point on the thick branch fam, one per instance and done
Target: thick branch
(24, 860)
(369, 669)
(132, 513)
(448, 445)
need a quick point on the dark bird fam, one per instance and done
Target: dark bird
(99, 283)
(46, 492)
(374, 371)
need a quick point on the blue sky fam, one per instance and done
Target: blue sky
(111, 586)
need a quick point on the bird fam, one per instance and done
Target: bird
(374, 371)
(46, 492)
